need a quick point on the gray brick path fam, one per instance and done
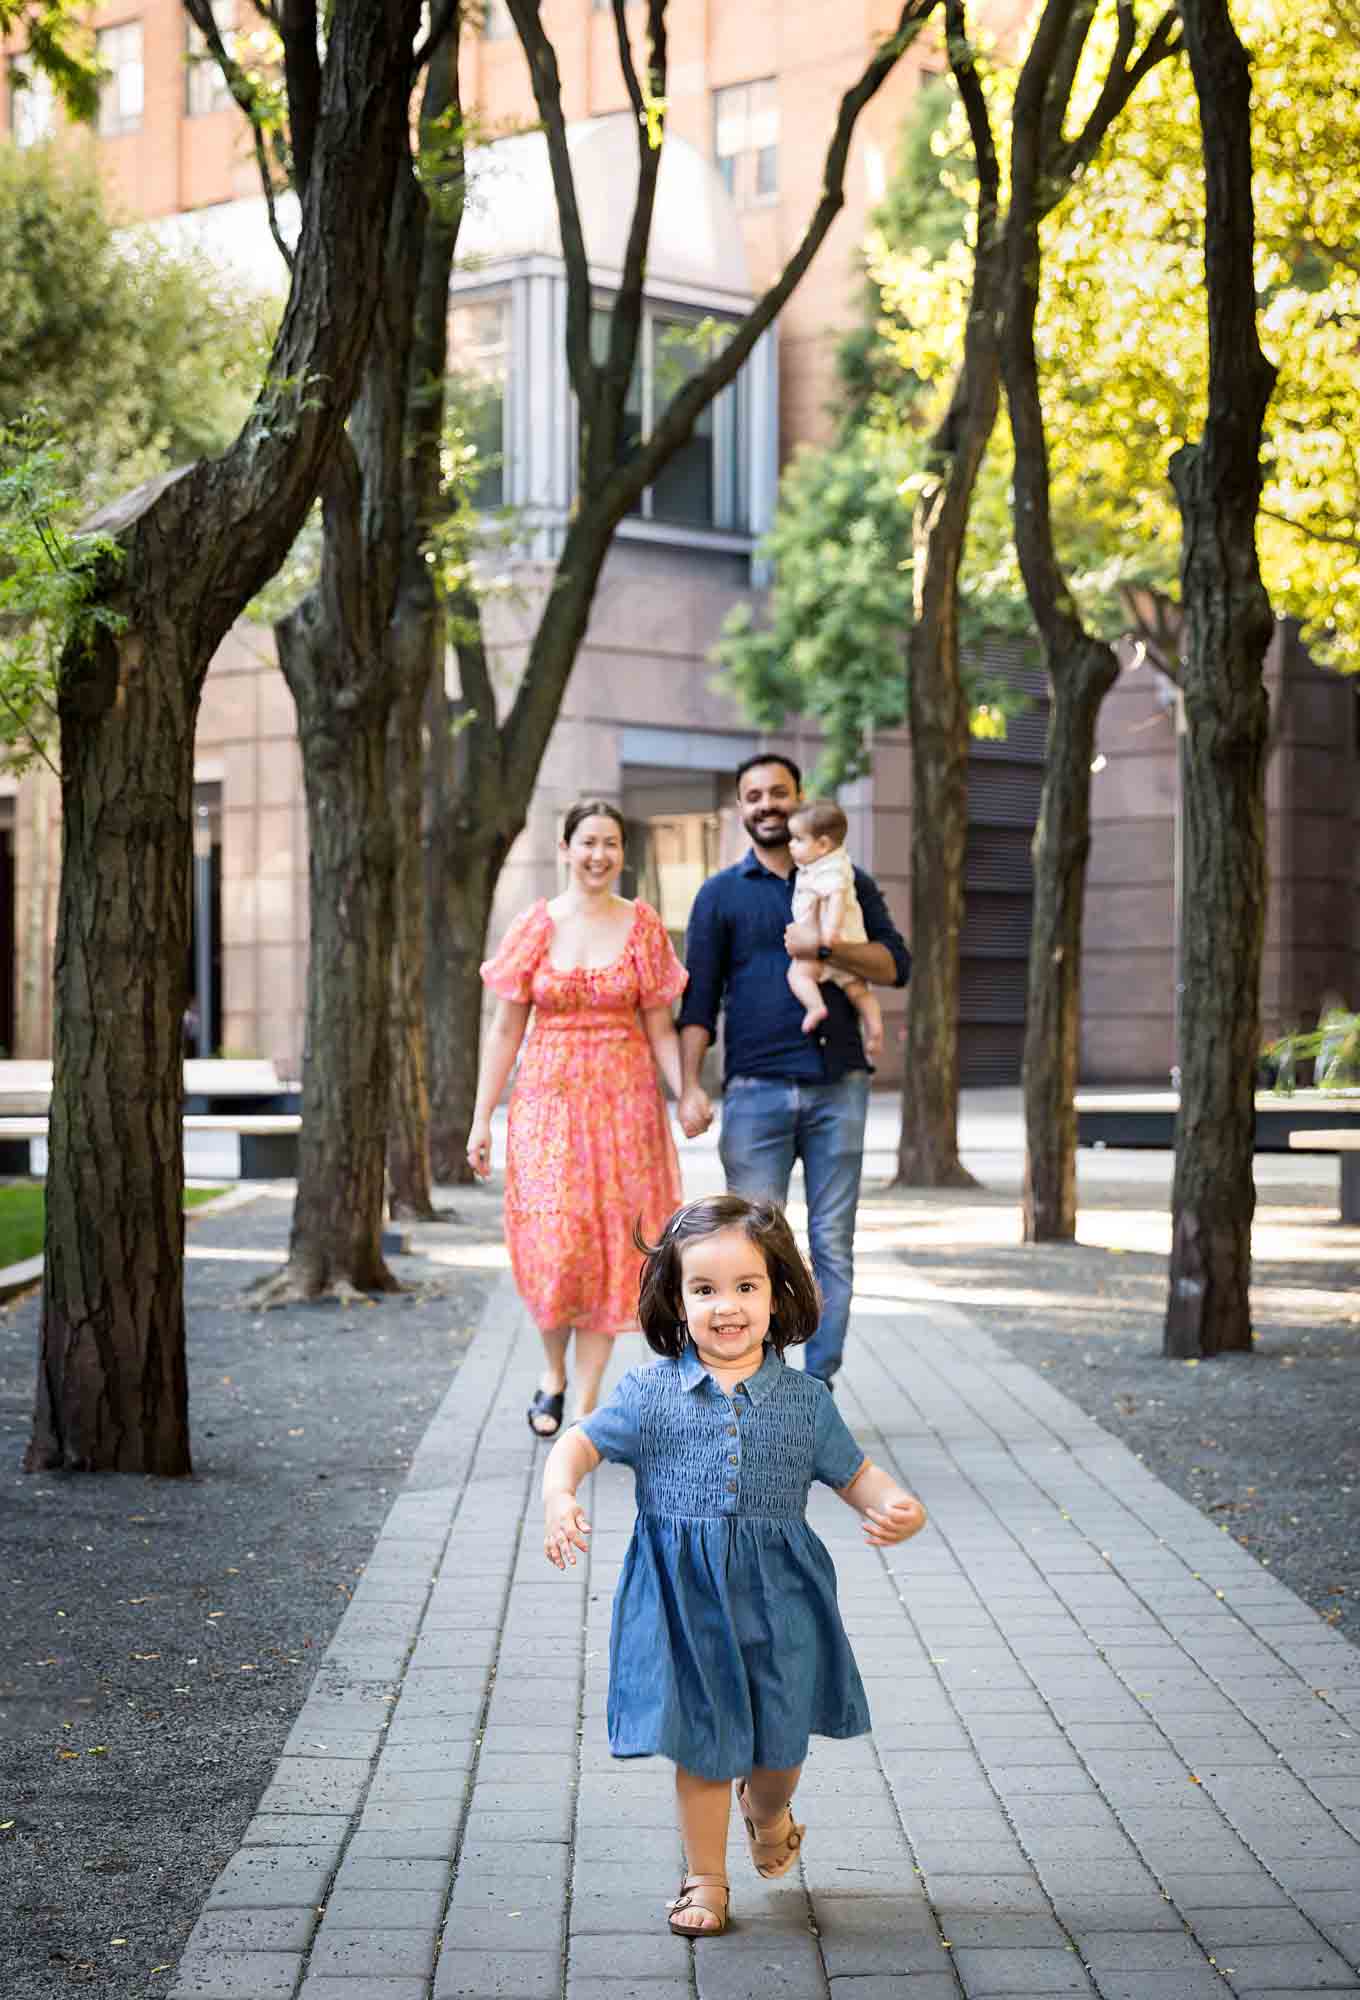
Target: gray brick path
(1112, 1755)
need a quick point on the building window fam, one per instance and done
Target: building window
(746, 140)
(32, 103)
(703, 485)
(479, 352)
(205, 87)
(121, 91)
(497, 24)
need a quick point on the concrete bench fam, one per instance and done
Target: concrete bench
(1147, 1118)
(211, 1083)
(1346, 1142)
(269, 1143)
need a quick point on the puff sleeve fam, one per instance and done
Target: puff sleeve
(613, 1429)
(509, 972)
(661, 977)
(837, 1459)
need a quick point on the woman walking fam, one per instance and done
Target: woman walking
(590, 1156)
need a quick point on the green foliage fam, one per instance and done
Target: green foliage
(51, 603)
(117, 360)
(139, 358)
(56, 41)
(1121, 332)
(1333, 1048)
(834, 644)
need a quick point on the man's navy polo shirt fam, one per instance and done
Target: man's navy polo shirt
(737, 963)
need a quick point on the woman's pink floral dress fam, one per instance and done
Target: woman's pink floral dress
(590, 1151)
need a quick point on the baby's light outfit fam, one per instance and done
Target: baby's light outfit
(727, 1648)
(833, 874)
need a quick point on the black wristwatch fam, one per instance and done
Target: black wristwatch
(824, 952)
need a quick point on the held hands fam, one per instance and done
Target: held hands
(565, 1529)
(802, 940)
(479, 1148)
(895, 1521)
(694, 1112)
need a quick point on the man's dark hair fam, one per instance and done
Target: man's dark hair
(795, 1304)
(822, 819)
(770, 757)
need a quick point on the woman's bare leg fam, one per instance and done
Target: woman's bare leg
(593, 1351)
(703, 1806)
(554, 1377)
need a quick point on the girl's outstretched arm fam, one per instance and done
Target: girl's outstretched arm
(890, 1513)
(565, 1527)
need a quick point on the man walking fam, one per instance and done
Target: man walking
(786, 1096)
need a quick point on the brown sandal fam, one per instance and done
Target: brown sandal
(774, 1847)
(689, 1899)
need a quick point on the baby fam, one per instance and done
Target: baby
(824, 894)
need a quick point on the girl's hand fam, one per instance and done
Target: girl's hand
(479, 1148)
(565, 1529)
(895, 1521)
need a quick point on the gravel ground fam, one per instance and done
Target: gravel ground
(158, 1637)
(1265, 1443)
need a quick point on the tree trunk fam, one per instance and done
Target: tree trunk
(418, 633)
(460, 888)
(408, 1133)
(1229, 624)
(928, 1149)
(112, 1390)
(343, 709)
(193, 547)
(1062, 844)
(937, 713)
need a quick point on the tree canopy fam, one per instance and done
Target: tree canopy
(1124, 360)
(1121, 327)
(118, 359)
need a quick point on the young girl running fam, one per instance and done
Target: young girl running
(727, 1650)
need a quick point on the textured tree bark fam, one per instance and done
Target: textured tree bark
(195, 546)
(481, 798)
(1080, 681)
(1218, 485)
(937, 709)
(1081, 669)
(343, 709)
(418, 641)
(459, 898)
(112, 1391)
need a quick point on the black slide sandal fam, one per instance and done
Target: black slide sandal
(545, 1405)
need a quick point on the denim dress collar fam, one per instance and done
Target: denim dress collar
(757, 1386)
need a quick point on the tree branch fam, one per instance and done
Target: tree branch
(1120, 83)
(1312, 534)
(625, 318)
(547, 86)
(678, 418)
(440, 24)
(243, 91)
(529, 723)
(969, 86)
(302, 74)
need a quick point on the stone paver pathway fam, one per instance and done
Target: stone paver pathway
(1112, 1755)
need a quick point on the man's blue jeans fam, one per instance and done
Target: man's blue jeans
(766, 1126)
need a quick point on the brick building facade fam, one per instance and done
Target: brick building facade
(752, 93)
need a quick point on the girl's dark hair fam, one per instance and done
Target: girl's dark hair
(795, 1304)
(823, 819)
(588, 809)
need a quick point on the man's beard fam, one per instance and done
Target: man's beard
(770, 837)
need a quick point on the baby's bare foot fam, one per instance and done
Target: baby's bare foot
(813, 1019)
